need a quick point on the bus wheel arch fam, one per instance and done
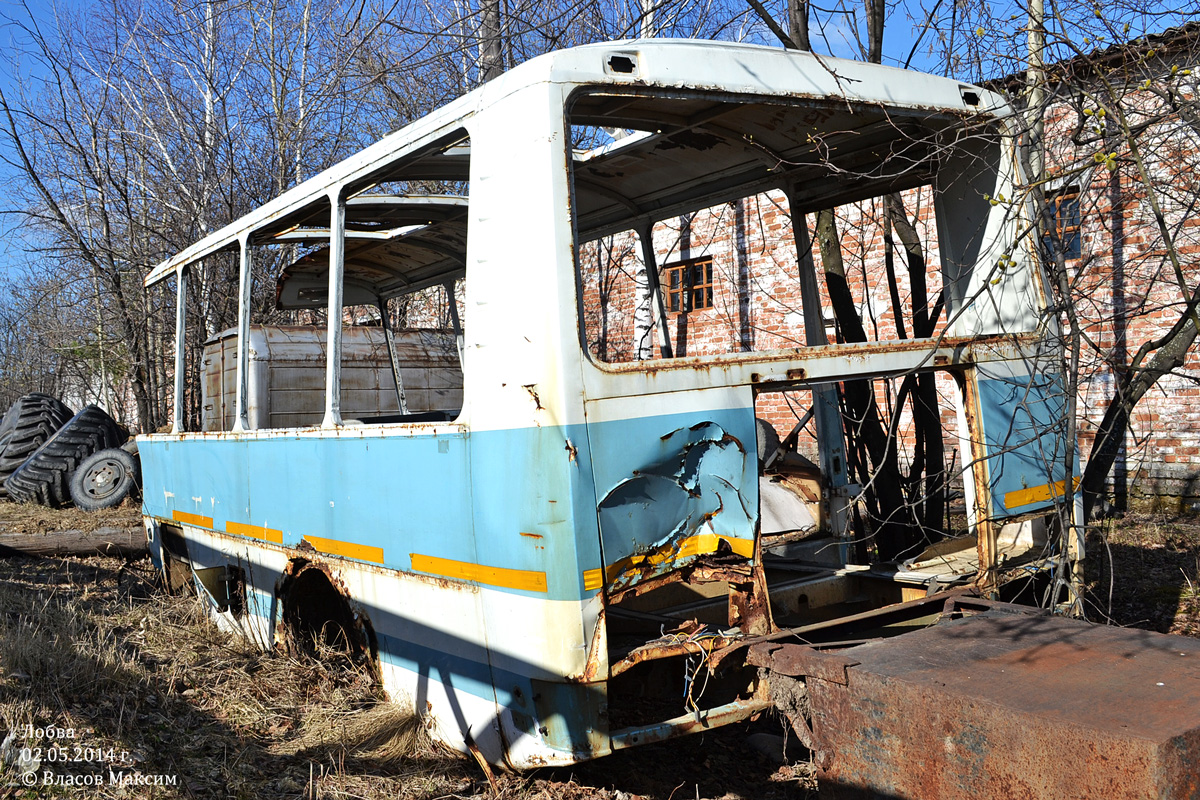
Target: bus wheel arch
(318, 617)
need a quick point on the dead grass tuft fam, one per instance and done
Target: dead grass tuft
(385, 734)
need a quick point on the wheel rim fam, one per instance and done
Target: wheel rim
(104, 478)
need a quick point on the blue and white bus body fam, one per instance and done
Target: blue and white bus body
(478, 555)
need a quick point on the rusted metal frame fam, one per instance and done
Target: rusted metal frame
(337, 265)
(391, 346)
(241, 420)
(689, 723)
(910, 609)
(652, 651)
(959, 604)
(646, 238)
(985, 527)
(696, 572)
(750, 602)
(181, 282)
(800, 661)
(815, 365)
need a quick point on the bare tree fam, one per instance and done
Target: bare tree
(142, 129)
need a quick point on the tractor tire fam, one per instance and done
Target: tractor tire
(45, 476)
(104, 479)
(30, 421)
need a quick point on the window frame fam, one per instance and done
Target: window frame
(1068, 229)
(680, 298)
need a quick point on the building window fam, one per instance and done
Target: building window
(1065, 207)
(689, 285)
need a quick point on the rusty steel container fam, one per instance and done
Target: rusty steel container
(1003, 705)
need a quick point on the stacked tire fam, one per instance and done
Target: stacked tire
(53, 457)
(30, 421)
(45, 476)
(105, 478)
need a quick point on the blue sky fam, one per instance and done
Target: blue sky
(988, 50)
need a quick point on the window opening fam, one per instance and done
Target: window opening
(730, 180)
(1065, 206)
(401, 308)
(689, 285)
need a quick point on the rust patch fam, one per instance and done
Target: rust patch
(750, 602)
(800, 661)
(537, 401)
(668, 647)
(705, 569)
(592, 671)
(319, 617)
(1003, 704)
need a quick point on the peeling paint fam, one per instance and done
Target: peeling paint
(687, 505)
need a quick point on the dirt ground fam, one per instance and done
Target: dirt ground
(133, 687)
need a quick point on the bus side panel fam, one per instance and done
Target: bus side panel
(535, 511)
(378, 499)
(364, 507)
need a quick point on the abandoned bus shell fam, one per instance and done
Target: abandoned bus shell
(568, 547)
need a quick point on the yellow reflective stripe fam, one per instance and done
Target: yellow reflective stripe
(192, 519)
(255, 531)
(700, 544)
(592, 579)
(1036, 494)
(526, 580)
(707, 543)
(333, 547)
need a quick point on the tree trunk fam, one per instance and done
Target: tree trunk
(1131, 387)
(865, 432)
(927, 418)
(798, 23)
(126, 542)
(491, 61)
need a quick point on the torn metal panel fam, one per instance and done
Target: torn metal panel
(687, 504)
(672, 645)
(1002, 705)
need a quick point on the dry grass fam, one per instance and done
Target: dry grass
(93, 646)
(96, 646)
(1156, 560)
